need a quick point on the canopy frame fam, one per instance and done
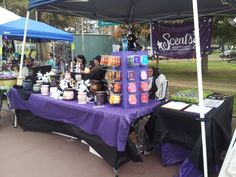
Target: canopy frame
(183, 15)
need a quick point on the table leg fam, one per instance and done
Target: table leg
(15, 122)
(8, 109)
(13, 115)
(116, 172)
(0, 104)
(140, 137)
(138, 126)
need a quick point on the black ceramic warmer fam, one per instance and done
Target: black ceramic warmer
(27, 84)
(100, 97)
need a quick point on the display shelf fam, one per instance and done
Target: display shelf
(125, 68)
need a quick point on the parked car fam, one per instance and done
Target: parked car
(228, 54)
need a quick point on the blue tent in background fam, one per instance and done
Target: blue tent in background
(36, 30)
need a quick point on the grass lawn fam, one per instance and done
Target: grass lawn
(218, 71)
(221, 75)
(235, 104)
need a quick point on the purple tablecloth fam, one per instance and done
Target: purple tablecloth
(109, 123)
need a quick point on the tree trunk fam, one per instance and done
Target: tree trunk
(223, 48)
(204, 64)
(45, 48)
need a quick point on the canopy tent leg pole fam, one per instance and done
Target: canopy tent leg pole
(154, 55)
(200, 85)
(38, 52)
(151, 44)
(19, 79)
(116, 172)
(72, 52)
(53, 51)
(82, 36)
(1, 52)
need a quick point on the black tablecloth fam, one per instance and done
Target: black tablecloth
(116, 159)
(168, 125)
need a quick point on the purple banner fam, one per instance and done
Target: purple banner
(178, 40)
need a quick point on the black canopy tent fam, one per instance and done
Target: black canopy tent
(132, 11)
(140, 11)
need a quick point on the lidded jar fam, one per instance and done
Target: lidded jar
(100, 97)
(45, 89)
(36, 87)
(27, 84)
(82, 98)
(68, 94)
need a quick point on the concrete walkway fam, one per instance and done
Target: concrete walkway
(34, 154)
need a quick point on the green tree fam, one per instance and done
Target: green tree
(142, 31)
(224, 32)
(59, 21)
(17, 6)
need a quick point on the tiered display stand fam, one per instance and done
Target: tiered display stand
(132, 64)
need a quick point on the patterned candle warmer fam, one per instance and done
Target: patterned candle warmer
(144, 86)
(132, 99)
(117, 75)
(133, 60)
(131, 75)
(144, 60)
(117, 87)
(143, 75)
(144, 97)
(132, 88)
(115, 99)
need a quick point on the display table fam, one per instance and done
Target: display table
(183, 128)
(110, 124)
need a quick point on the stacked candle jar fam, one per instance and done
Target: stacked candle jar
(113, 77)
(134, 80)
(109, 60)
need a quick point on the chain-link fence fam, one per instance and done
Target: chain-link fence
(219, 66)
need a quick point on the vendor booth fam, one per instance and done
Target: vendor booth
(104, 123)
(137, 11)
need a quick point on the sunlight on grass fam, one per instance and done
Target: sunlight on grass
(221, 75)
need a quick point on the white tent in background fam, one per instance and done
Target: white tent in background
(7, 16)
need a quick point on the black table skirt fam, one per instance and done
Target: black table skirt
(183, 128)
(116, 159)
